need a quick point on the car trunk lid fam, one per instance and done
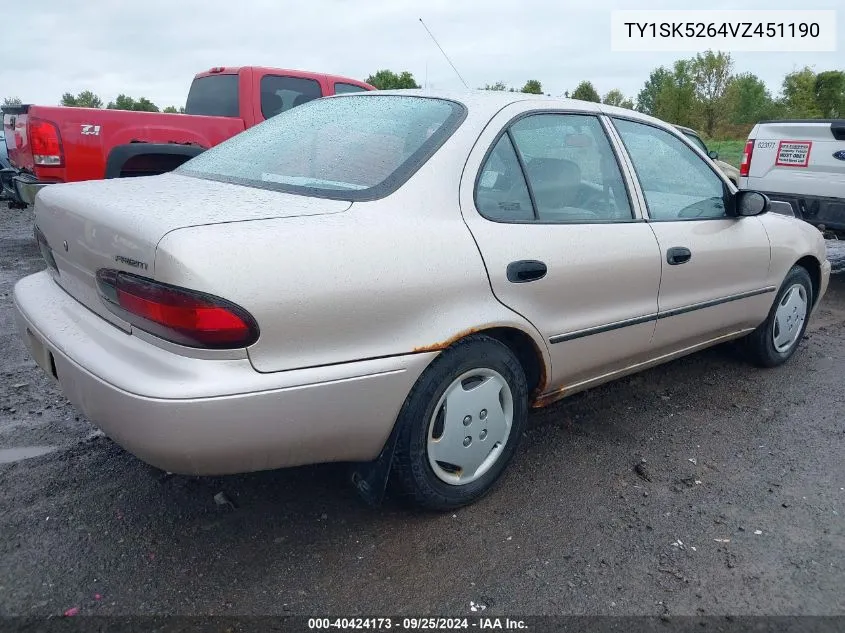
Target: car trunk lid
(118, 223)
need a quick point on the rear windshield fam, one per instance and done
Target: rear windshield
(214, 95)
(357, 147)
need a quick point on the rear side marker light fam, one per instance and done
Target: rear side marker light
(182, 316)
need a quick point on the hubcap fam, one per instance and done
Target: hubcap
(470, 426)
(789, 318)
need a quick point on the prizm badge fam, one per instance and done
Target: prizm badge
(840, 155)
(130, 262)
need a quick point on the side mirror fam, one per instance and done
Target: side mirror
(713, 154)
(750, 203)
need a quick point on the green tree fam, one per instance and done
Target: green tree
(586, 92)
(499, 86)
(829, 90)
(616, 98)
(85, 99)
(174, 110)
(799, 94)
(124, 102)
(389, 80)
(145, 105)
(676, 102)
(12, 101)
(647, 97)
(748, 100)
(711, 73)
(532, 86)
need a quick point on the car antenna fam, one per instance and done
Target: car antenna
(444, 54)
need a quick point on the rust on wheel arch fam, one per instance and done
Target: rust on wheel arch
(535, 397)
(439, 347)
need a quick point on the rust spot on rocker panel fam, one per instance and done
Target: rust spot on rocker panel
(544, 400)
(537, 392)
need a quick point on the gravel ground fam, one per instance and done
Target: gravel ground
(737, 509)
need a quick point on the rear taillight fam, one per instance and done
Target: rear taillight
(745, 165)
(46, 143)
(46, 251)
(179, 315)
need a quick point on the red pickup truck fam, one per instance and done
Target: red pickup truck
(52, 144)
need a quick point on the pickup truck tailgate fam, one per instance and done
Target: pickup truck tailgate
(799, 158)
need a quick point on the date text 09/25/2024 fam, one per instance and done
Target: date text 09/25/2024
(416, 624)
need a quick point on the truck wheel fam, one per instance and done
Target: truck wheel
(777, 338)
(461, 424)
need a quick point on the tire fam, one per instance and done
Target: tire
(478, 362)
(761, 346)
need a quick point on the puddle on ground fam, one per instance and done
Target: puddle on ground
(836, 255)
(11, 455)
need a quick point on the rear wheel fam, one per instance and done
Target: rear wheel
(777, 338)
(461, 423)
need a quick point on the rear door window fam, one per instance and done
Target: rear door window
(214, 95)
(279, 93)
(571, 169)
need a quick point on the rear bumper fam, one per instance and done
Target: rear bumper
(817, 210)
(19, 187)
(201, 416)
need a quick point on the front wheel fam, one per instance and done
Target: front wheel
(461, 423)
(777, 338)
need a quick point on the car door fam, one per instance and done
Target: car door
(714, 267)
(549, 208)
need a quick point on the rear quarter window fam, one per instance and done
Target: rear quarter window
(342, 88)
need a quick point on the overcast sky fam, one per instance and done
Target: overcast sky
(153, 48)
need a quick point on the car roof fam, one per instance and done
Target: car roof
(488, 102)
(825, 121)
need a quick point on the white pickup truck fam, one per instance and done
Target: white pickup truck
(801, 162)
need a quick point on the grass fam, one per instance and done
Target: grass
(730, 151)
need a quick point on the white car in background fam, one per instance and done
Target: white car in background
(731, 172)
(801, 162)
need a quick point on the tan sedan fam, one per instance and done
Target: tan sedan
(394, 279)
